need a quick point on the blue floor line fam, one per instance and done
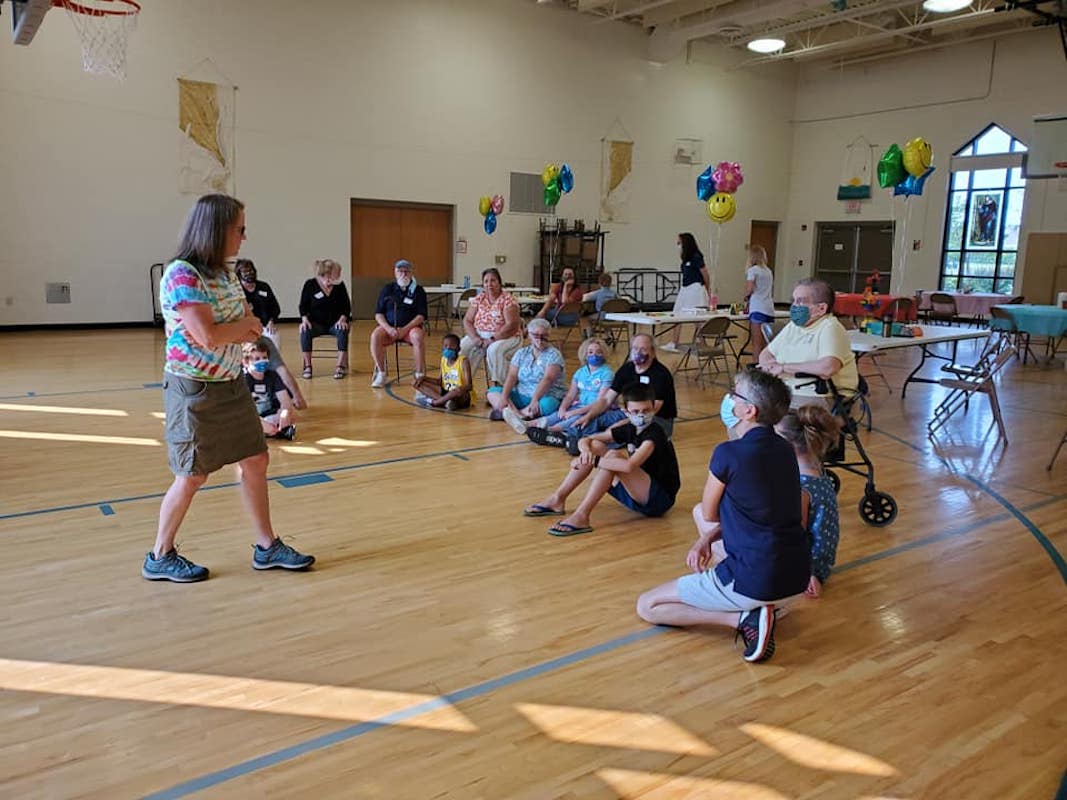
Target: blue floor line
(106, 510)
(354, 731)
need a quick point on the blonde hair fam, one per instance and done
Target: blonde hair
(326, 266)
(583, 348)
(757, 254)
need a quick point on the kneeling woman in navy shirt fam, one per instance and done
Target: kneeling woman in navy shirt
(752, 502)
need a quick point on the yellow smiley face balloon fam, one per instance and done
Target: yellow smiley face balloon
(721, 207)
(918, 155)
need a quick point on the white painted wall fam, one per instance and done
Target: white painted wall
(945, 96)
(418, 100)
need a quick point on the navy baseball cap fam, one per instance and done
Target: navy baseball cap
(403, 264)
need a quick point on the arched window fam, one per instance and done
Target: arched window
(985, 212)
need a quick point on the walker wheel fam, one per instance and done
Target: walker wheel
(878, 509)
(835, 479)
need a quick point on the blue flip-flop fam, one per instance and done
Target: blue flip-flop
(566, 529)
(538, 510)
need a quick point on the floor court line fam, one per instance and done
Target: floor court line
(477, 690)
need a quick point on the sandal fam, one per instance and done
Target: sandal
(307, 373)
(339, 373)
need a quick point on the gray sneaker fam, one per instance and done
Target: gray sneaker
(172, 567)
(280, 555)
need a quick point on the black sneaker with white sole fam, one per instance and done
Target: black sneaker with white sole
(281, 556)
(757, 629)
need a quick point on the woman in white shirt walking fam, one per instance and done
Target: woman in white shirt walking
(759, 281)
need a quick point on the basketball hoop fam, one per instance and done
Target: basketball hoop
(103, 27)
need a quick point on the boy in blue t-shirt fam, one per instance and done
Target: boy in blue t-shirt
(752, 502)
(272, 401)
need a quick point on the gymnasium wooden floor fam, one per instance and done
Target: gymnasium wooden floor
(446, 647)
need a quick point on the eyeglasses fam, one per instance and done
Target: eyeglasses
(539, 336)
(736, 394)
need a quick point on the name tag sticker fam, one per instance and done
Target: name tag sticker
(319, 295)
(262, 293)
(261, 388)
(644, 379)
(408, 301)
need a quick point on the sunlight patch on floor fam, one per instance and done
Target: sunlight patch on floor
(815, 753)
(624, 729)
(338, 442)
(228, 692)
(95, 412)
(658, 786)
(301, 450)
(79, 437)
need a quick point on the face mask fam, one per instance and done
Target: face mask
(404, 282)
(726, 412)
(260, 366)
(449, 354)
(639, 358)
(799, 315)
(594, 360)
(639, 420)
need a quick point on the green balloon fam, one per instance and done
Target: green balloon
(552, 190)
(891, 168)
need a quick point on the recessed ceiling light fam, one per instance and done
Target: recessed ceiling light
(945, 6)
(766, 45)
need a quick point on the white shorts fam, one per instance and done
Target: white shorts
(692, 296)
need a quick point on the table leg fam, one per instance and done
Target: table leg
(925, 354)
(748, 340)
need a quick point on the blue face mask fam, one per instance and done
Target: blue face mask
(640, 421)
(449, 354)
(726, 411)
(594, 360)
(260, 366)
(799, 315)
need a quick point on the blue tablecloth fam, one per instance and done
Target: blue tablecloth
(1035, 320)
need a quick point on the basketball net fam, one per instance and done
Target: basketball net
(103, 27)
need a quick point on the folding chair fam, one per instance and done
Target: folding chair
(942, 308)
(710, 343)
(1057, 452)
(979, 379)
(1020, 340)
(460, 309)
(611, 331)
(437, 306)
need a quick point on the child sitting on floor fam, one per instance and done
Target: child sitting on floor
(455, 388)
(273, 404)
(812, 430)
(642, 474)
(752, 502)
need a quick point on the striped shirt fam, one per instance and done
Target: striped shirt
(182, 284)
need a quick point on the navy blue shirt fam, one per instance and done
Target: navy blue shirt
(400, 306)
(691, 270)
(662, 465)
(768, 556)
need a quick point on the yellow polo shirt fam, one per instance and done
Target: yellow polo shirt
(824, 337)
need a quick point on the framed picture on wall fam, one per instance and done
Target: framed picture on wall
(985, 220)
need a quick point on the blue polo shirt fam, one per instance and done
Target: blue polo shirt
(768, 556)
(400, 306)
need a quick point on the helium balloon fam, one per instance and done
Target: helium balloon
(566, 179)
(490, 223)
(484, 205)
(918, 155)
(912, 185)
(721, 207)
(705, 185)
(497, 204)
(727, 177)
(552, 192)
(891, 167)
(549, 174)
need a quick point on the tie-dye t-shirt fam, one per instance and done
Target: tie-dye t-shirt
(183, 285)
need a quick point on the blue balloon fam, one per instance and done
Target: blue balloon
(490, 223)
(912, 185)
(705, 185)
(566, 179)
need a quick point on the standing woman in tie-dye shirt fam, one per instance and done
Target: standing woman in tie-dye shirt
(211, 420)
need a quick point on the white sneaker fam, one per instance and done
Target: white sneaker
(379, 379)
(515, 421)
(670, 347)
(540, 422)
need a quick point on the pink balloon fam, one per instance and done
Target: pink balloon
(497, 204)
(727, 176)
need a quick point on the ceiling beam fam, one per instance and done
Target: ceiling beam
(673, 12)
(637, 10)
(592, 5)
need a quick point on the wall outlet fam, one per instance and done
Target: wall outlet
(500, 259)
(57, 292)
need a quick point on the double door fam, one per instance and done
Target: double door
(847, 253)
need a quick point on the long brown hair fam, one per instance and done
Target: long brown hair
(202, 241)
(810, 429)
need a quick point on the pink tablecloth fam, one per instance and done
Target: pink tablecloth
(975, 304)
(851, 305)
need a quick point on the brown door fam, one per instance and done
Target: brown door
(766, 234)
(384, 232)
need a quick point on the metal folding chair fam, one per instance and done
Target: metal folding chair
(710, 343)
(979, 379)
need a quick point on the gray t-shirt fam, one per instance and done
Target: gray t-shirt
(761, 299)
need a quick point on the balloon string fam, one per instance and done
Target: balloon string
(904, 242)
